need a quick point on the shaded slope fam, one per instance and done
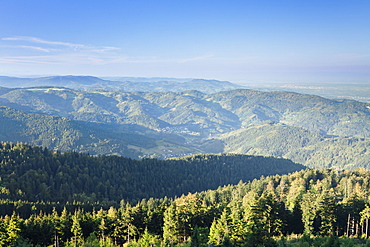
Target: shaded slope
(33, 174)
(64, 134)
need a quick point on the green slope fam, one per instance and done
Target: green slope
(37, 174)
(299, 145)
(64, 134)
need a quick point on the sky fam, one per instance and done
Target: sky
(244, 41)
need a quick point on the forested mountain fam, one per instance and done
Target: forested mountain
(213, 113)
(63, 134)
(37, 174)
(308, 129)
(121, 83)
(299, 145)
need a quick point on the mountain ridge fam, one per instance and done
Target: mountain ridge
(190, 122)
(120, 83)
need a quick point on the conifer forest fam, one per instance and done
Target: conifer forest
(306, 207)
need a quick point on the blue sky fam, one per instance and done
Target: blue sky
(240, 41)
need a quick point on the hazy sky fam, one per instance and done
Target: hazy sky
(239, 41)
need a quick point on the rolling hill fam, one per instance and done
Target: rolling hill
(308, 129)
(63, 134)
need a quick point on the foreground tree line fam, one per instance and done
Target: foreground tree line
(305, 208)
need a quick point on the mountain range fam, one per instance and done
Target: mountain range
(121, 83)
(308, 129)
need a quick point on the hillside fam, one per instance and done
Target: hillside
(299, 145)
(203, 113)
(37, 174)
(308, 129)
(63, 134)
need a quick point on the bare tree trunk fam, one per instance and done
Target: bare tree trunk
(128, 233)
(56, 240)
(349, 217)
(353, 226)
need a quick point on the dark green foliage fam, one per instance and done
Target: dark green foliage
(227, 242)
(332, 241)
(199, 237)
(38, 174)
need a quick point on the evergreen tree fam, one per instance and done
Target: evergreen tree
(76, 228)
(171, 225)
(308, 212)
(220, 228)
(12, 228)
(3, 234)
(261, 219)
(327, 213)
(199, 237)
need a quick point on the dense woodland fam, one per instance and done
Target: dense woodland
(38, 174)
(304, 208)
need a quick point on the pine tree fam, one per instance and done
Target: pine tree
(171, 225)
(365, 215)
(76, 228)
(327, 212)
(262, 221)
(12, 228)
(309, 212)
(220, 228)
(3, 233)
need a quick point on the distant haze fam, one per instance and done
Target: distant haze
(239, 41)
